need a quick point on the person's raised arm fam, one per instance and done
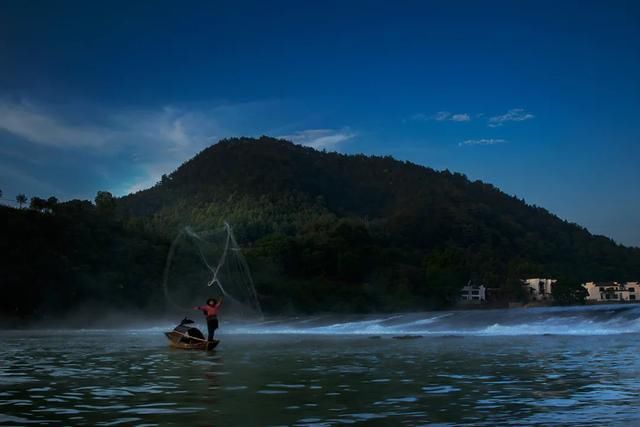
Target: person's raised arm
(220, 302)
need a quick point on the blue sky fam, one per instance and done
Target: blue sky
(538, 98)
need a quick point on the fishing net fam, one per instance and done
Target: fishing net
(209, 264)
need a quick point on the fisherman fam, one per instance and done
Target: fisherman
(210, 310)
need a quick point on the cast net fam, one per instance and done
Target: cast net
(209, 264)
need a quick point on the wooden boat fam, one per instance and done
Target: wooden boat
(187, 337)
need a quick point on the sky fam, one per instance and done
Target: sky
(539, 98)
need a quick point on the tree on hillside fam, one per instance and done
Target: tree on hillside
(21, 199)
(52, 202)
(446, 274)
(567, 292)
(38, 204)
(105, 203)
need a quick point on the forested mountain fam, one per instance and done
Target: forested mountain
(321, 232)
(382, 233)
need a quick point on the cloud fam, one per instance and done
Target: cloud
(128, 149)
(490, 141)
(513, 115)
(135, 146)
(169, 128)
(464, 117)
(320, 138)
(150, 174)
(441, 116)
(40, 127)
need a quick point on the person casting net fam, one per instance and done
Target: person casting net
(210, 311)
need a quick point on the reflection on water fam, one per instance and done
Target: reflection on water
(132, 377)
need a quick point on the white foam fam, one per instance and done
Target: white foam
(603, 320)
(585, 321)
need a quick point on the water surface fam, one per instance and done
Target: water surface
(336, 371)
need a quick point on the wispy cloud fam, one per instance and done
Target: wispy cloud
(489, 141)
(441, 116)
(150, 141)
(464, 117)
(150, 174)
(320, 138)
(169, 128)
(41, 127)
(513, 115)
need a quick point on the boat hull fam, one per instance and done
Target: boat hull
(179, 341)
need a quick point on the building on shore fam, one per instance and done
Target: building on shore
(473, 293)
(612, 291)
(539, 289)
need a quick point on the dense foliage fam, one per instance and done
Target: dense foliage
(75, 256)
(321, 231)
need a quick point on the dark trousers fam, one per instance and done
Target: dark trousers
(212, 325)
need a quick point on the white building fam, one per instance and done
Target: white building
(472, 292)
(613, 291)
(539, 289)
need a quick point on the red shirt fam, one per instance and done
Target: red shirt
(209, 311)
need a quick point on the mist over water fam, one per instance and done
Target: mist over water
(578, 320)
(543, 366)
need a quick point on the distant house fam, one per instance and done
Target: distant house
(539, 289)
(612, 291)
(473, 293)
